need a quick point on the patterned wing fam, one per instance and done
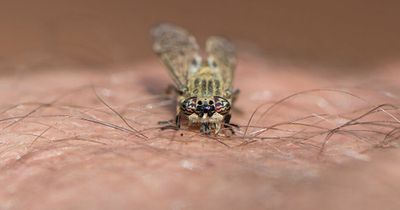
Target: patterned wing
(178, 50)
(221, 56)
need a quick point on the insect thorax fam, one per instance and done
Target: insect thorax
(205, 83)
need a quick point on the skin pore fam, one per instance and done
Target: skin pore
(90, 140)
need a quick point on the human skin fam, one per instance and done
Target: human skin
(80, 139)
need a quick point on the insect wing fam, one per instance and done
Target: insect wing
(178, 50)
(221, 55)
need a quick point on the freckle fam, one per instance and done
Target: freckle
(340, 121)
(186, 164)
(106, 92)
(356, 155)
(115, 79)
(261, 96)
(389, 94)
(322, 103)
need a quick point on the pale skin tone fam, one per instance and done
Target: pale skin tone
(63, 148)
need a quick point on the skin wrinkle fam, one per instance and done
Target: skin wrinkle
(77, 153)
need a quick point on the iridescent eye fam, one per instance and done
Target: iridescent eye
(222, 105)
(188, 106)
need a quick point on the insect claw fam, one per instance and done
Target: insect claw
(232, 131)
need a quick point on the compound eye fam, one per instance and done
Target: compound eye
(188, 106)
(222, 105)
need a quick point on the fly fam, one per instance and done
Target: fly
(204, 86)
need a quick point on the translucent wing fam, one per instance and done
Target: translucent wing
(221, 55)
(178, 50)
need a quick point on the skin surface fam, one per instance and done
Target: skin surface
(63, 145)
(331, 148)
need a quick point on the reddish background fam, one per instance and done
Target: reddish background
(353, 35)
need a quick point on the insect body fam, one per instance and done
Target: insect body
(204, 86)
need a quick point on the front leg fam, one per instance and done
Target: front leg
(178, 121)
(217, 126)
(205, 128)
(229, 125)
(177, 125)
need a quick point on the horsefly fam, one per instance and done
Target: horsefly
(203, 86)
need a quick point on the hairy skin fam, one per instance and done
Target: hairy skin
(87, 140)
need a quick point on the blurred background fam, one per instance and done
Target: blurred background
(355, 35)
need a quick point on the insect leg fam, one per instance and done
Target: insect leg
(178, 121)
(229, 125)
(173, 89)
(205, 128)
(227, 119)
(217, 127)
(168, 125)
